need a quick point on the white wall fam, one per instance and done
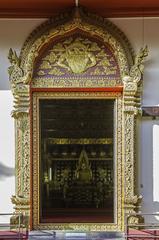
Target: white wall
(144, 32)
(14, 32)
(7, 151)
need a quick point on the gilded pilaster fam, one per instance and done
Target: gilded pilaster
(131, 99)
(22, 137)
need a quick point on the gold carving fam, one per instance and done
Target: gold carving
(22, 205)
(42, 82)
(15, 71)
(132, 81)
(132, 103)
(20, 200)
(56, 71)
(64, 19)
(22, 155)
(41, 73)
(137, 69)
(77, 57)
(66, 58)
(80, 141)
(45, 65)
(22, 123)
(52, 57)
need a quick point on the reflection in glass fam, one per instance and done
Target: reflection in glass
(76, 160)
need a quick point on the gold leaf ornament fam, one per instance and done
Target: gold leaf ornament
(45, 65)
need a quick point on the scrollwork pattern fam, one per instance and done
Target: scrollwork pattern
(25, 156)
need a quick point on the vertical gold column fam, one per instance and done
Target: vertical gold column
(131, 99)
(21, 199)
(131, 200)
(20, 90)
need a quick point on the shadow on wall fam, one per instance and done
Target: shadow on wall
(6, 171)
(156, 210)
(149, 169)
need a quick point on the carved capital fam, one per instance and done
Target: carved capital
(132, 204)
(22, 205)
(21, 100)
(132, 110)
(19, 200)
(132, 90)
(20, 114)
(130, 87)
(131, 82)
(133, 200)
(22, 120)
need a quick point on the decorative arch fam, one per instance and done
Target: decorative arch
(75, 55)
(76, 60)
(77, 20)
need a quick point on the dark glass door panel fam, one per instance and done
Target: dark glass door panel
(76, 160)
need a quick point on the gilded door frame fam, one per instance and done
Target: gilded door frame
(119, 174)
(23, 84)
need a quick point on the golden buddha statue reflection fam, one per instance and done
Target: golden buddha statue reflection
(83, 173)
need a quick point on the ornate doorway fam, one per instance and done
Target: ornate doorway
(77, 95)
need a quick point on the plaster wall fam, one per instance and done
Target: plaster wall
(140, 32)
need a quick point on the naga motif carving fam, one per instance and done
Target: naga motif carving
(15, 71)
(137, 69)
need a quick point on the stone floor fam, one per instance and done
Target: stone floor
(59, 235)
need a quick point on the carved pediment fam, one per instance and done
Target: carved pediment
(77, 60)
